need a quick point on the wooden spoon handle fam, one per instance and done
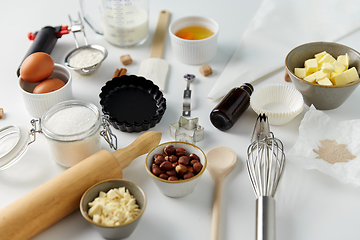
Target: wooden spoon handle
(143, 144)
(160, 34)
(215, 224)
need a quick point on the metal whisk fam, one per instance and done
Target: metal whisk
(265, 164)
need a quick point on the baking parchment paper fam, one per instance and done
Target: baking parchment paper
(317, 126)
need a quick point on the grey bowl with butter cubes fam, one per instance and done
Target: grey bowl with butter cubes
(325, 73)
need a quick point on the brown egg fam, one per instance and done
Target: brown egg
(37, 67)
(48, 85)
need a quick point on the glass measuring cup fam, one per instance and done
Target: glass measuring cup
(123, 23)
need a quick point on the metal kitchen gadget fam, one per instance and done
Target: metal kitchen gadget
(84, 59)
(265, 164)
(187, 96)
(187, 130)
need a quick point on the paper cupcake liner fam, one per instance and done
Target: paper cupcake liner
(279, 102)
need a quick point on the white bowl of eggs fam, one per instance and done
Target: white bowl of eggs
(43, 83)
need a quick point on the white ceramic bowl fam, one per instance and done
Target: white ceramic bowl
(178, 188)
(37, 104)
(194, 51)
(279, 102)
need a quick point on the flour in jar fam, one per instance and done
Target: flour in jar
(85, 57)
(71, 121)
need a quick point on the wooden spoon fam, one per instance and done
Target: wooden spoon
(220, 160)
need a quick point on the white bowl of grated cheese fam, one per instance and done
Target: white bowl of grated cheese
(113, 207)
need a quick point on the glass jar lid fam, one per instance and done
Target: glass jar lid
(14, 141)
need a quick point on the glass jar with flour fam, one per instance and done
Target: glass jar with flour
(73, 129)
(123, 23)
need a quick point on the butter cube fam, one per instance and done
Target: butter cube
(311, 66)
(352, 74)
(300, 72)
(325, 82)
(320, 55)
(310, 78)
(348, 76)
(332, 77)
(344, 60)
(328, 68)
(333, 74)
(321, 74)
(339, 68)
(326, 58)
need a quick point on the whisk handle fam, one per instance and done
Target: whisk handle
(265, 218)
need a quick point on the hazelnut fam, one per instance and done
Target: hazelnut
(169, 150)
(155, 169)
(184, 160)
(181, 169)
(171, 172)
(193, 161)
(172, 158)
(194, 156)
(158, 154)
(163, 176)
(174, 164)
(188, 175)
(197, 167)
(190, 168)
(159, 159)
(172, 178)
(180, 151)
(166, 165)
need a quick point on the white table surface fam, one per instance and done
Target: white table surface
(310, 205)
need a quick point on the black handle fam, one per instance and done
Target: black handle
(44, 41)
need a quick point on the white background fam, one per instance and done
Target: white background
(310, 205)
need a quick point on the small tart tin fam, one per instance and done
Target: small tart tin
(133, 103)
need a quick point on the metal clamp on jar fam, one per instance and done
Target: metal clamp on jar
(72, 128)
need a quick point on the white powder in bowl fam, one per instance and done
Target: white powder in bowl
(72, 120)
(86, 57)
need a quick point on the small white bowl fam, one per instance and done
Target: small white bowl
(279, 102)
(37, 104)
(194, 51)
(180, 188)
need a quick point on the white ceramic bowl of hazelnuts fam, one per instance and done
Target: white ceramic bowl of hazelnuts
(176, 167)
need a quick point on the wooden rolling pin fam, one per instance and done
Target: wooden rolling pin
(60, 196)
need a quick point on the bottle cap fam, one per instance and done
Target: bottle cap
(247, 87)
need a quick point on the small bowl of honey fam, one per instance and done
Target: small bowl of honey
(194, 39)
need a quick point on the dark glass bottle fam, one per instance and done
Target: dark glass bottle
(231, 107)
